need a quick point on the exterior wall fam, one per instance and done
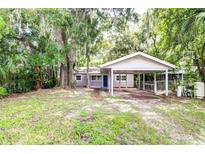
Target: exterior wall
(138, 63)
(94, 83)
(82, 82)
(99, 83)
(129, 83)
(109, 81)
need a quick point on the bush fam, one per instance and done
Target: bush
(49, 84)
(21, 82)
(3, 92)
(49, 81)
(73, 84)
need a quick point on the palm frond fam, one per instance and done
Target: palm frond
(200, 21)
(200, 17)
(188, 24)
(2, 73)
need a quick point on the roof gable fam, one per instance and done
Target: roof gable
(139, 60)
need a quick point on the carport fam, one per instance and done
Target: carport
(137, 63)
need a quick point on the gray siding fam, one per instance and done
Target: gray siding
(82, 82)
(99, 83)
(129, 83)
(96, 83)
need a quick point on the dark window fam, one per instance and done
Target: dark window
(118, 77)
(78, 77)
(122, 78)
(96, 77)
(93, 77)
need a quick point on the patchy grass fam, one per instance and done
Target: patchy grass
(190, 115)
(83, 117)
(116, 128)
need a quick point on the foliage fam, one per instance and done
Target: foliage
(27, 51)
(176, 35)
(3, 92)
(45, 46)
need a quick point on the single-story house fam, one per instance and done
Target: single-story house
(137, 70)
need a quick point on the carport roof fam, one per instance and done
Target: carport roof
(138, 54)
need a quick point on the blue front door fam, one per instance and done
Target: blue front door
(105, 81)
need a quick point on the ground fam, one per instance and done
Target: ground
(83, 116)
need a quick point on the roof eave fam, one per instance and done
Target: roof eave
(135, 54)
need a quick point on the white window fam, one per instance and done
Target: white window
(78, 77)
(121, 77)
(96, 77)
(124, 77)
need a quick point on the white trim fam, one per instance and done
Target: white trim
(166, 83)
(143, 81)
(141, 69)
(138, 54)
(155, 83)
(126, 79)
(102, 82)
(96, 75)
(111, 82)
(120, 78)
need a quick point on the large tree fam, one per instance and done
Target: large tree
(176, 35)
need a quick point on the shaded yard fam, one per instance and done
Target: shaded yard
(84, 116)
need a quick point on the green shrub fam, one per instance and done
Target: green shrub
(22, 82)
(73, 84)
(49, 80)
(3, 92)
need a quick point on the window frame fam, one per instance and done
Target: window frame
(121, 78)
(125, 78)
(80, 77)
(97, 77)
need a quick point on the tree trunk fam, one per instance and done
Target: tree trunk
(203, 62)
(53, 72)
(87, 64)
(70, 65)
(64, 66)
(201, 66)
(63, 75)
(88, 77)
(37, 72)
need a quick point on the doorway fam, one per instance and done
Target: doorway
(105, 81)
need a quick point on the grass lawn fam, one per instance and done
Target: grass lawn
(82, 116)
